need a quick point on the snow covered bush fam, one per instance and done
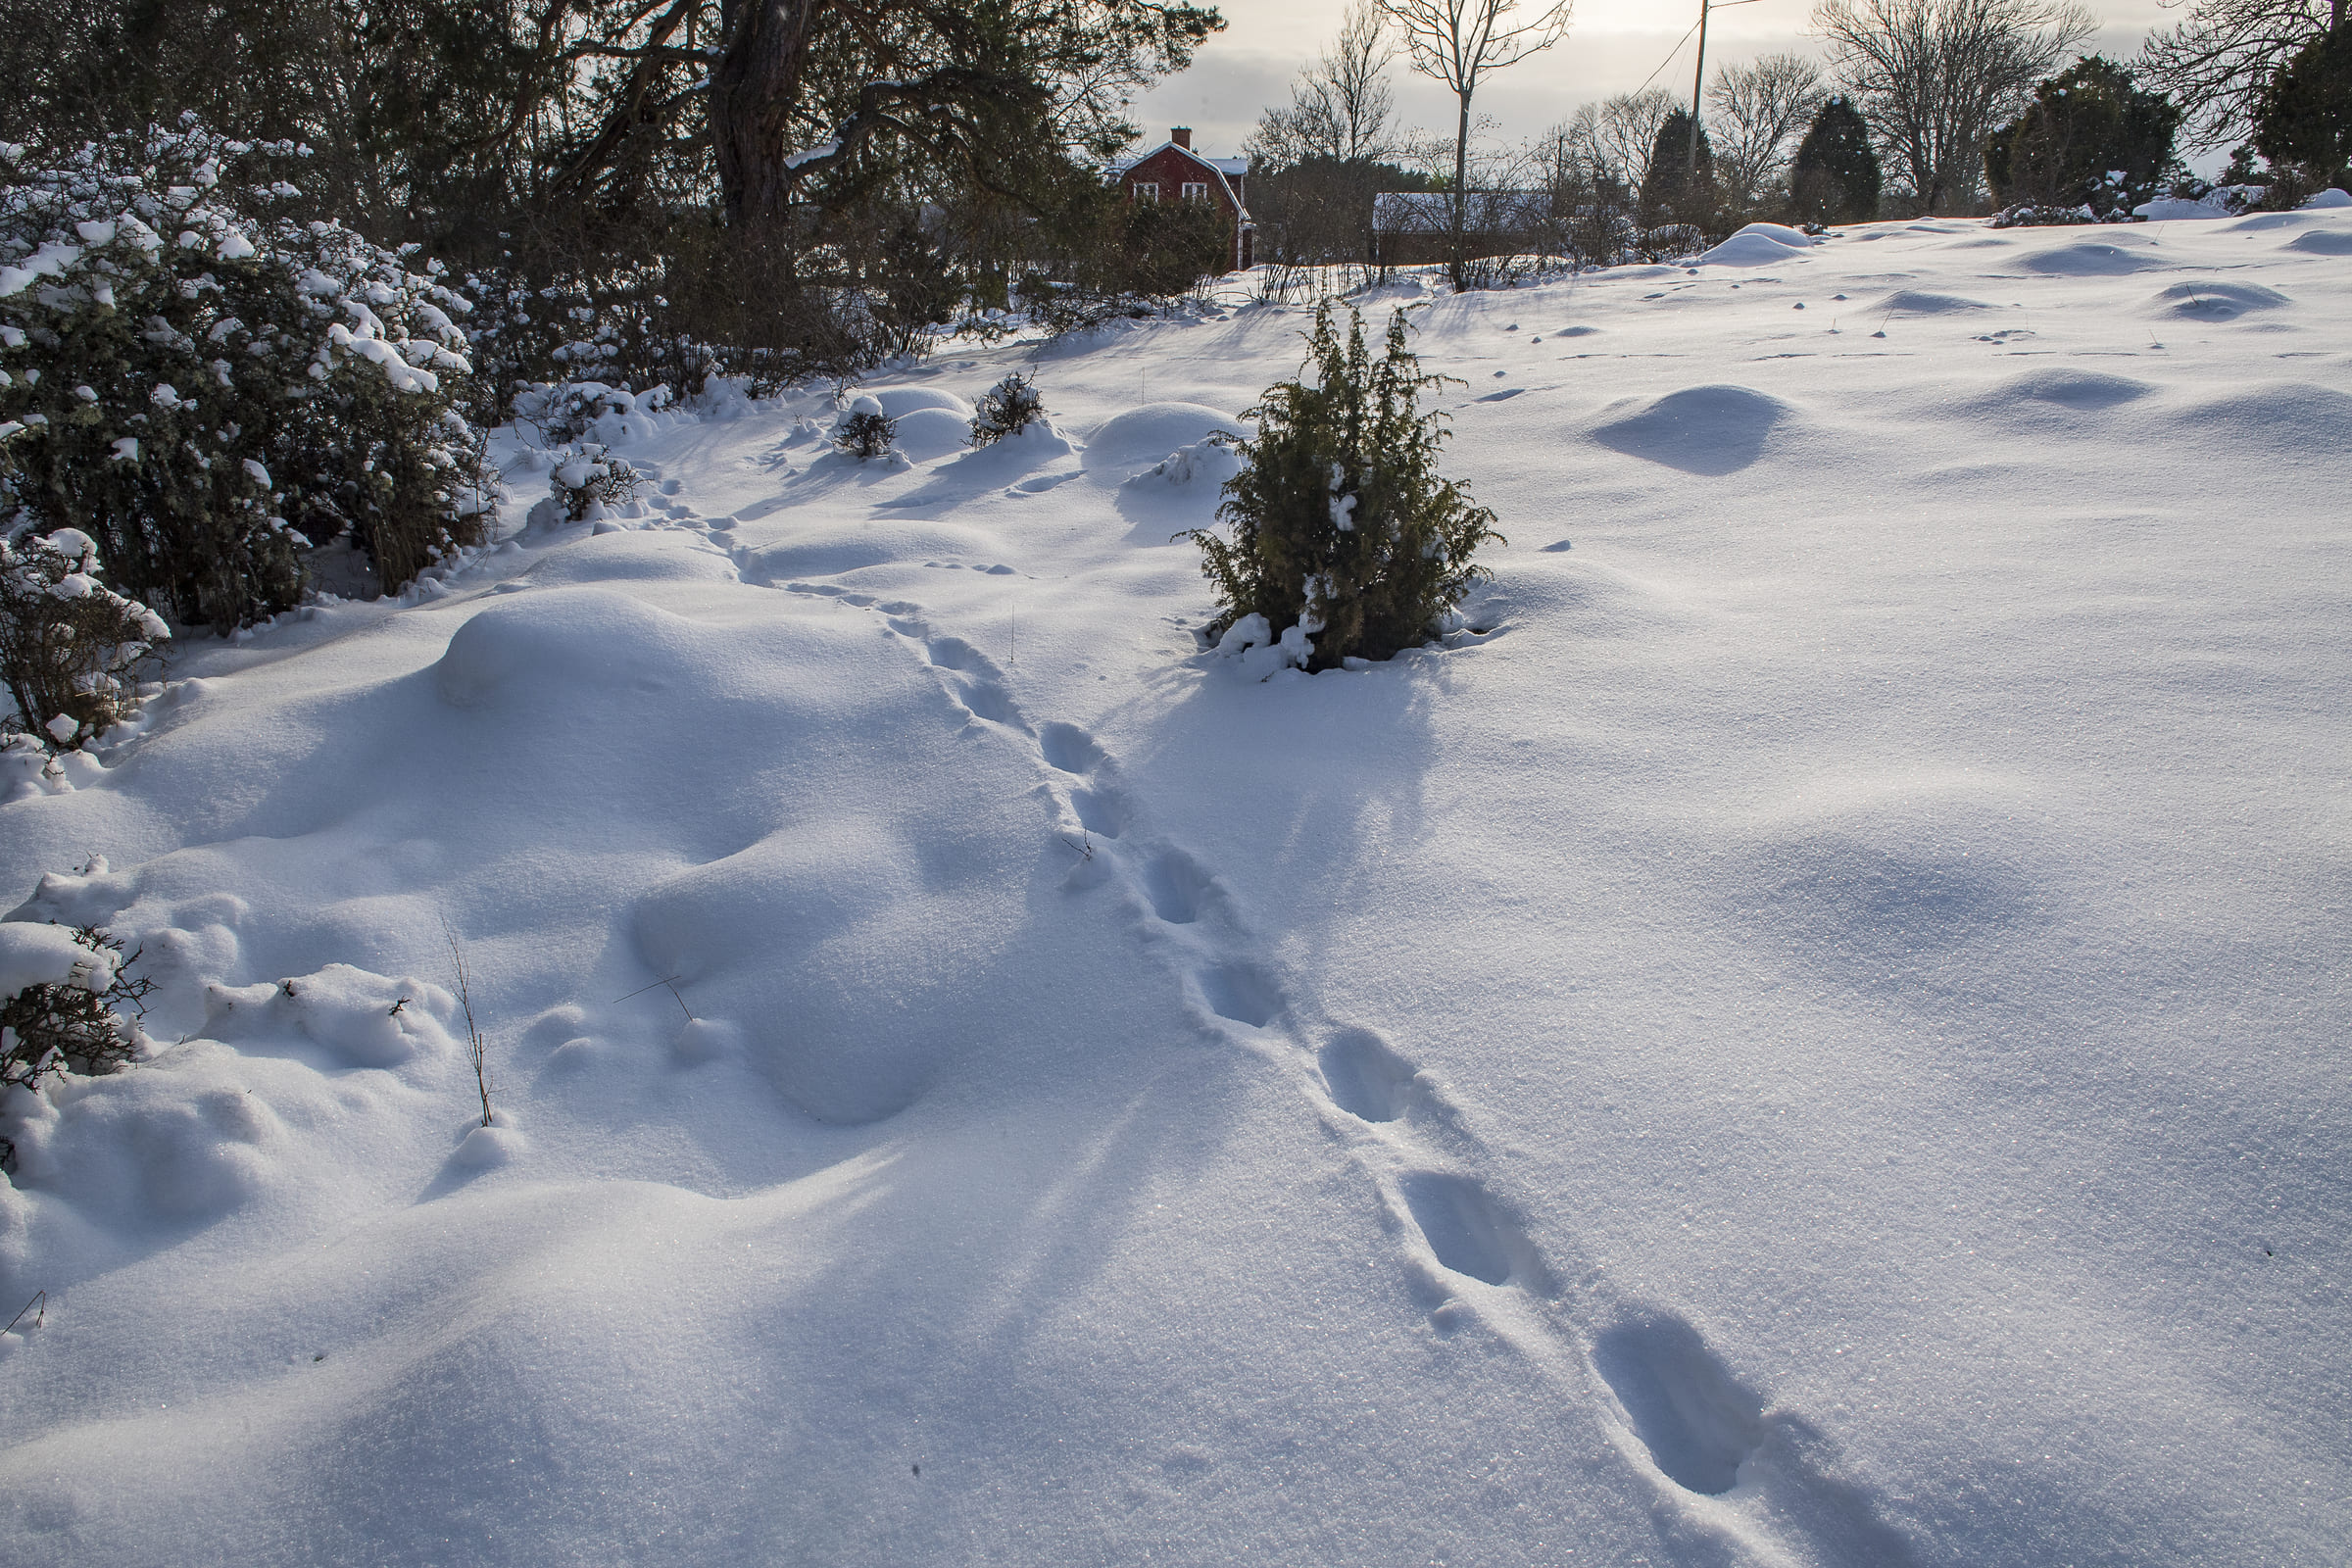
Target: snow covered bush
(208, 385)
(865, 432)
(69, 644)
(1342, 530)
(589, 475)
(1009, 407)
(563, 411)
(62, 995)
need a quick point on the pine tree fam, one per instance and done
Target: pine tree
(1342, 525)
(1835, 178)
(1677, 188)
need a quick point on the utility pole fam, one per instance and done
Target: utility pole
(1698, 77)
(1699, 82)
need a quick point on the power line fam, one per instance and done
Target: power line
(1669, 59)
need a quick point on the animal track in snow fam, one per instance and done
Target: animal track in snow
(1697, 1421)
(1670, 1404)
(1365, 1077)
(1464, 1230)
(1176, 884)
(1098, 813)
(1242, 992)
(1069, 748)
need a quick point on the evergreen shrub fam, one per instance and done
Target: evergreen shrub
(865, 432)
(1009, 407)
(2090, 140)
(1341, 528)
(209, 383)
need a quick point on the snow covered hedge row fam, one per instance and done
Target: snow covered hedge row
(207, 384)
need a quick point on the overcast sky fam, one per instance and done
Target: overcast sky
(1612, 47)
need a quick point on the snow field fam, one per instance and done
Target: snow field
(1807, 1032)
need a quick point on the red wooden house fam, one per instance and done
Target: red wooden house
(1173, 173)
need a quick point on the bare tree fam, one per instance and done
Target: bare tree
(1340, 107)
(1459, 43)
(1615, 137)
(1934, 77)
(2216, 60)
(1760, 109)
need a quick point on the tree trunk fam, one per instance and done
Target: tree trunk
(752, 92)
(1461, 195)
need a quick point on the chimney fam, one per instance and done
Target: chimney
(1182, 136)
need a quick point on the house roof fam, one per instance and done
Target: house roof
(1223, 165)
(1227, 169)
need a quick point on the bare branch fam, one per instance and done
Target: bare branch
(1934, 77)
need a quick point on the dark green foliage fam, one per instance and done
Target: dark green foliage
(865, 433)
(74, 1025)
(1341, 525)
(1835, 178)
(1675, 189)
(209, 383)
(1009, 407)
(2306, 116)
(69, 645)
(1163, 248)
(2083, 128)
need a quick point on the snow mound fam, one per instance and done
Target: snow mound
(2089, 258)
(363, 1019)
(2168, 209)
(1710, 430)
(2212, 301)
(1126, 444)
(568, 642)
(2328, 201)
(1201, 467)
(2289, 421)
(1758, 245)
(932, 432)
(630, 557)
(2321, 242)
(897, 402)
(2072, 389)
(183, 1140)
(833, 951)
(1921, 302)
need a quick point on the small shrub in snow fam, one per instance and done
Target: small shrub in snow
(1342, 529)
(207, 383)
(1009, 407)
(72, 1019)
(865, 432)
(565, 412)
(69, 644)
(589, 475)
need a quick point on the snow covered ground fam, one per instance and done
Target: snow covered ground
(1812, 1032)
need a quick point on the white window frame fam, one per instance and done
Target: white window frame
(1196, 191)
(1145, 190)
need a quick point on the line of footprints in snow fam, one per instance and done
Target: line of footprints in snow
(1724, 1467)
(1669, 1402)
